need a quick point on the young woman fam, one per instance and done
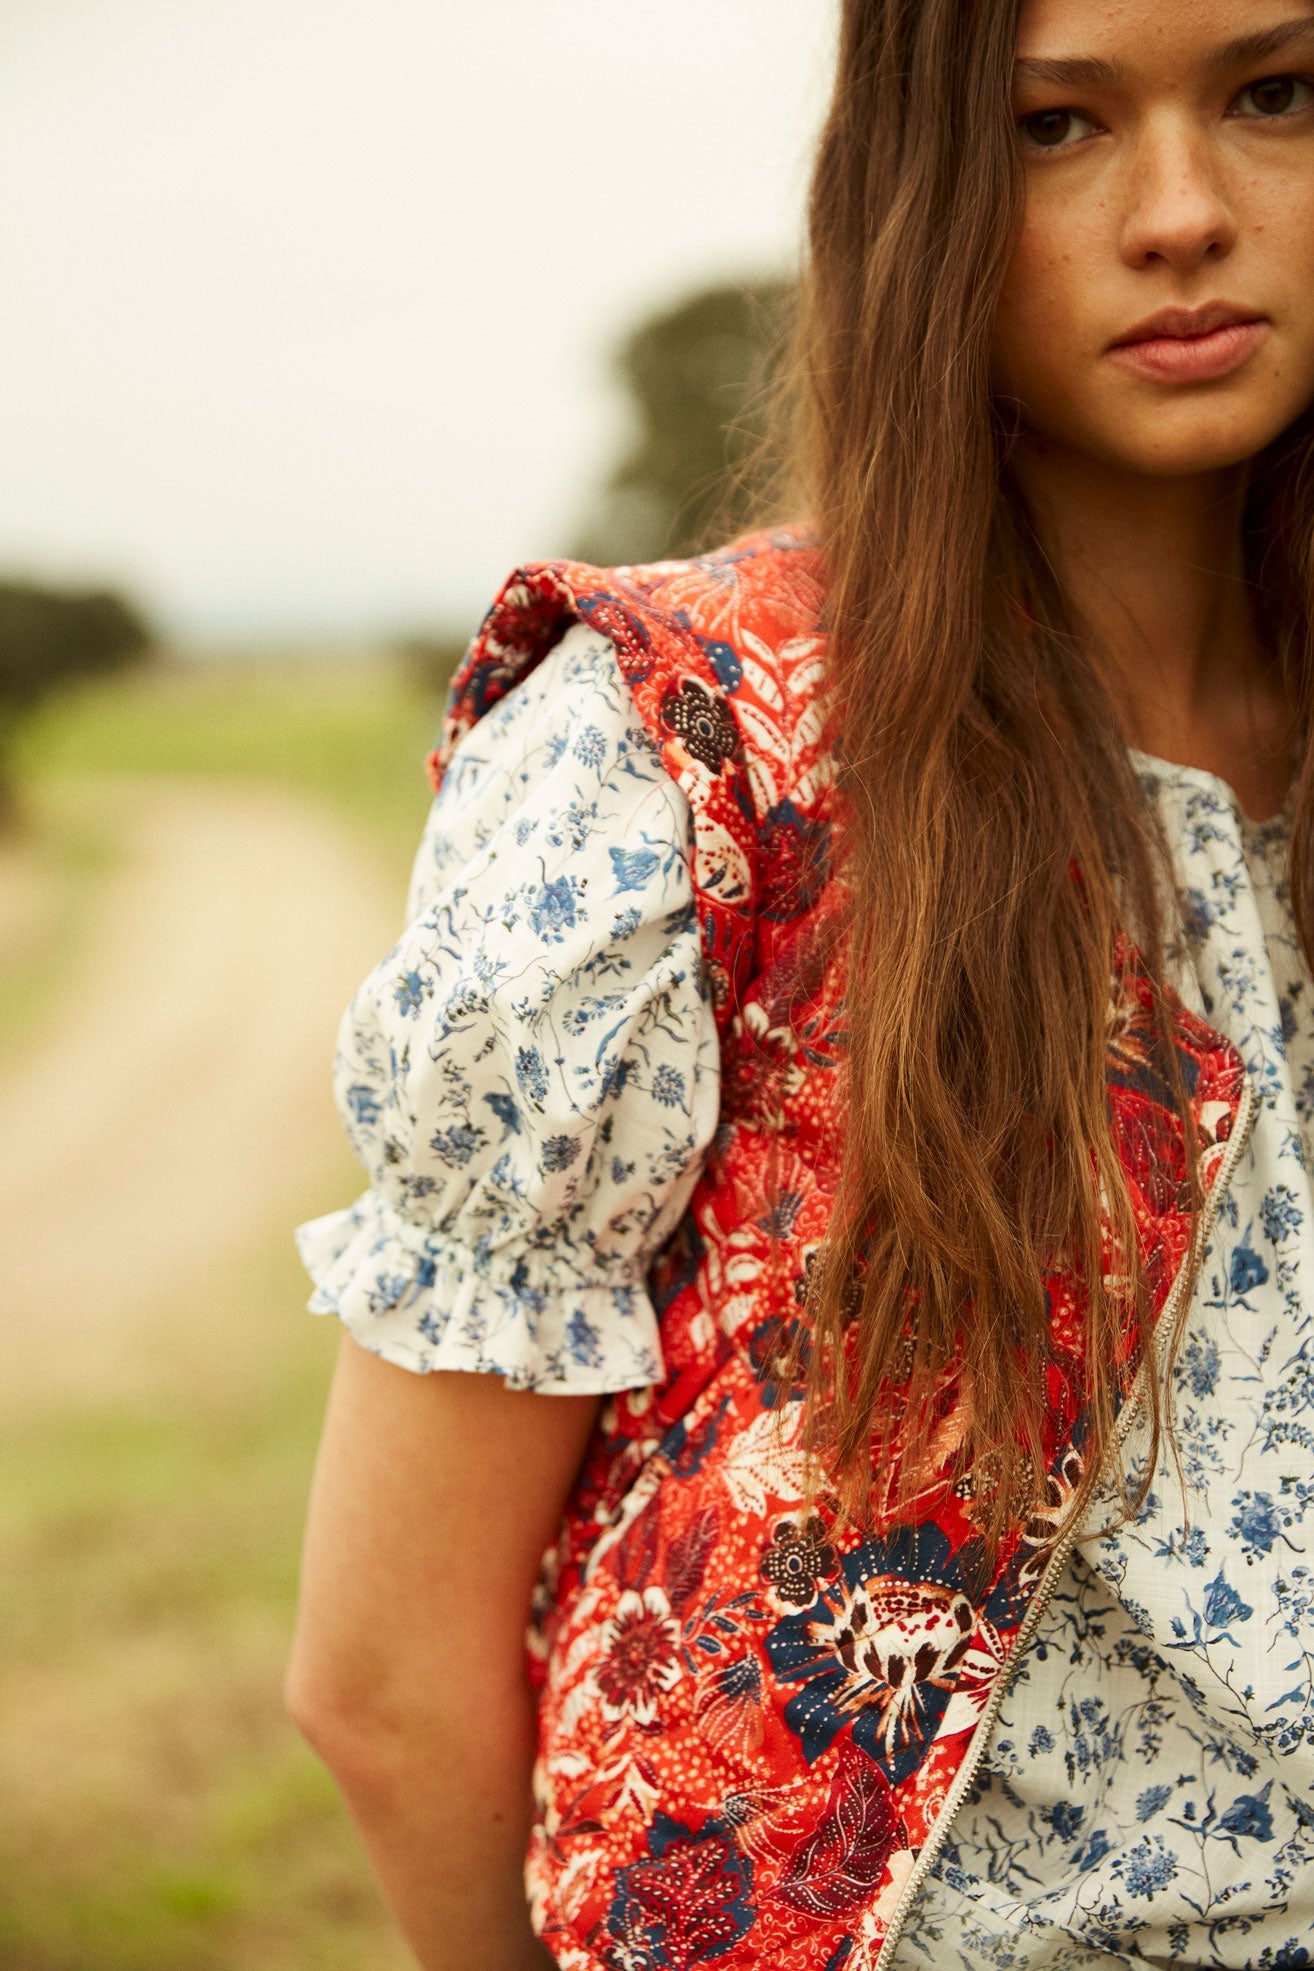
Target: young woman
(846, 1089)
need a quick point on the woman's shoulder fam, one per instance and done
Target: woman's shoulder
(742, 612)
(563, 758)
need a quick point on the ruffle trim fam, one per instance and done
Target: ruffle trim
(426, 1302)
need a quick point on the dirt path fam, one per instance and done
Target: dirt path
(176, 1103)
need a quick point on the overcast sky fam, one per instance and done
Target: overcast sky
(306, 304)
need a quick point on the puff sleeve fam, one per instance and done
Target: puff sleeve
(530, 1076)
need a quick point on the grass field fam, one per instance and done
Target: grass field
(157, 1813)
(352, 734)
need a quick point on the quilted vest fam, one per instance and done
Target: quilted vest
(753, 1734)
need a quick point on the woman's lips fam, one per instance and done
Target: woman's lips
(1191, 358)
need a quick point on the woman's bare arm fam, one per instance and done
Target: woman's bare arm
(434, 1498)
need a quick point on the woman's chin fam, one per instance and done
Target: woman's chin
(1180, 447)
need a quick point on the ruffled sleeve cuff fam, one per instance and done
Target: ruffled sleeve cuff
(424, 1302)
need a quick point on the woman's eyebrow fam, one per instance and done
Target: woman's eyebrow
(1091, 72)
(1069, 72)
(1267, 41)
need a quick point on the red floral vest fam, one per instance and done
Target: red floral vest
(753, 1735)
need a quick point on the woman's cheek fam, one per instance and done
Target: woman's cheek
(1030, 330)
(1043, 334)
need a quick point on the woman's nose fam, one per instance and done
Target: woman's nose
(1176, 210)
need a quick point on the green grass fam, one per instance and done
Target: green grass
(157, 1811)
(355, 735)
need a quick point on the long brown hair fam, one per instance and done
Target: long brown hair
(982, 765)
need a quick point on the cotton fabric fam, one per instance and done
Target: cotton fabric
(1148, 1792)
(530, 1074)
(1147, 1797)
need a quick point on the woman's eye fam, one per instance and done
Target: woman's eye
(1274, 96)
(1053, 130)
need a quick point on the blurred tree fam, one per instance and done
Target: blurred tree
(700, 377)
(48, 637)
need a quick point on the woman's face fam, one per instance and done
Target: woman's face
(1158, 312)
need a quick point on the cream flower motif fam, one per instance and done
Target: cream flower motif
(640, 1658)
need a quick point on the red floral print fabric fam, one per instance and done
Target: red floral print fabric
(748, 1726)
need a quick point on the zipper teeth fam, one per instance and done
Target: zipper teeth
(1058, 1560)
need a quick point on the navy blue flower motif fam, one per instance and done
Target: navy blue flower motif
(687, 1901)
(1222, 1604)
(1247, 1270)
(363, 1104)
(408, 992)
(615, 1076)
(1147, 1868)
(584, 1341)
(1041, 1740)
(531, 1296)
(1189, 1543)
(668, 1086)
(1198, 914)
(1092, 1851)
(1280, 1213)
(632, 868)
(1199, 1366)
(388, 1290)
(1195, 1546)
(876, 1653)
(457, 1144)
(1149, 1803)
(1248, 1815)
(554, 908)
(559, 1152)
(507, 1114)
(590, 748)
(531, 1073)
(1256, 1523)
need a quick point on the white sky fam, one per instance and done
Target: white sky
(305, 305)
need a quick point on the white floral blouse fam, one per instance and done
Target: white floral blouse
(1148, 1794)
(531, 1078)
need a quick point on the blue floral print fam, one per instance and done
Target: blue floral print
(531, 1075)
(1148, 1794)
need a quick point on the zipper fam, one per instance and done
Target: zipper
(1058, 1560)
